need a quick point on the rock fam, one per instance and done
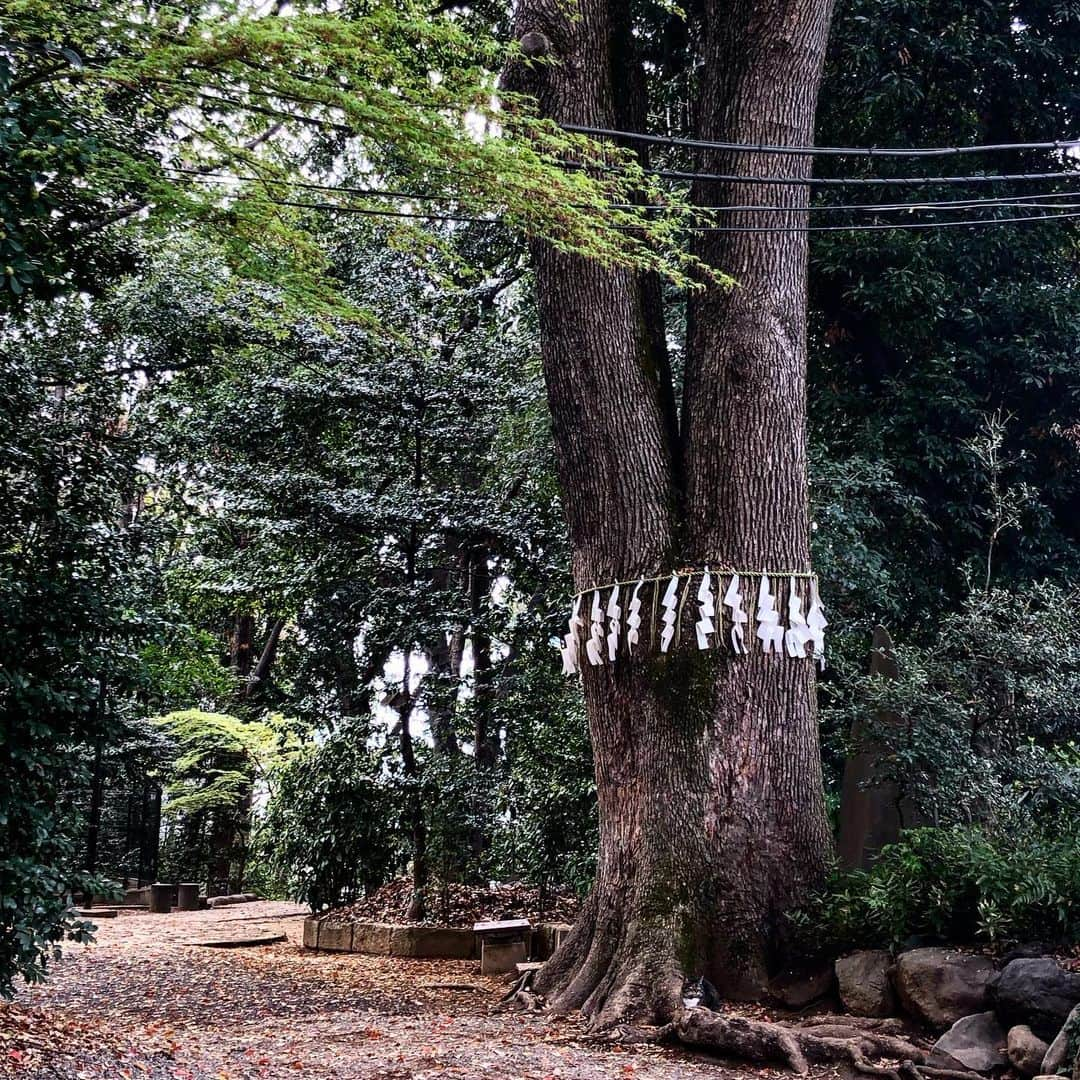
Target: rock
(1026, 1050)
(940, 986)
(1063, 1049)
(797, 988)
(864, 983)
(1037, 992)
(975, 1042)
(225, 901)
(1030, 951)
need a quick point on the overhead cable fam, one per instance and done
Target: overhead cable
(1012, 201)
(819, 151)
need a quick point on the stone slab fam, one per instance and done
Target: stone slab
(239, 943)
(976, 1042)
(509, 927)
(433, 942)
(335, 937)
(385, 939)
(501, 957)
(372, 938)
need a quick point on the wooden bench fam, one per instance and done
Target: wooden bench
(503, 945)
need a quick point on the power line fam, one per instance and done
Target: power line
(856, 181)
(815, 151)
(1006, 201)
(897, 226)
(338, 207)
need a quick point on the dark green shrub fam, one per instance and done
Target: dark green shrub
(960, 884)
(330, 829)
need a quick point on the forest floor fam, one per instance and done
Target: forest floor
(144, 1003)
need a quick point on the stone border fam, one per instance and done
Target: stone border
(385, 939)
(426, 942)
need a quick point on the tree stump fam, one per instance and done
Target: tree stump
(160, 898)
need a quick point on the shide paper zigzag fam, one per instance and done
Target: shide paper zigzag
(611, 635)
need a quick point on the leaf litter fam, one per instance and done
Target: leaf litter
(139, 1005)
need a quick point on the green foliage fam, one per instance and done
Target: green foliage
(74, 571)
(329, 832)
(547, 802)
(219, 764)
(986, 706)
(916, 337)
(402, 96)
(960, 884)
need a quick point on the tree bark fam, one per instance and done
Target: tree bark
(712, 820)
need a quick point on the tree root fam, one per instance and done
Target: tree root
(834, 1040)
(820, 1040)
(521, 996)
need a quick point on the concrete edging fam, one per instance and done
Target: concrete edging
(386, 939)
(422, 942)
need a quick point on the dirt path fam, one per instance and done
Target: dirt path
(141, 1004)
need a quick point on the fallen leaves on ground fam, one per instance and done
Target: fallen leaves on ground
(461, 905)
(139, 1005)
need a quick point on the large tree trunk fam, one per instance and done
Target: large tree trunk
(712, 821)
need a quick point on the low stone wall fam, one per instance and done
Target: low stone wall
(384, 939)
(429, 942)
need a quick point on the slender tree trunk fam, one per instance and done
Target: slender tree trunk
(712, 821)
(97, 797)
(241, 644)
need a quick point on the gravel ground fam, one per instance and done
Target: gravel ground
(145, 1004)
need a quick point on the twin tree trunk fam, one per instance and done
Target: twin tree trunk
(712, 822)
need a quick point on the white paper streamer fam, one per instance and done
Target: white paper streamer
(594, 647)
(739, 618)
(803, 637)
(569, 648)
(668, 618)
(706, 610)
(633, 617)
(798, 633)
(816, 623)
(614, 613)
(769, 630)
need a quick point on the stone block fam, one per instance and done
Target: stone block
(434, 942)
(187, 896)
(311, 933)
(335, 937)
(501, 957)
(373, 938)
(546, 938)
(161, 898)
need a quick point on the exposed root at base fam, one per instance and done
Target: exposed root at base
(521, 996)
(824, 1040)
(832, 1040)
